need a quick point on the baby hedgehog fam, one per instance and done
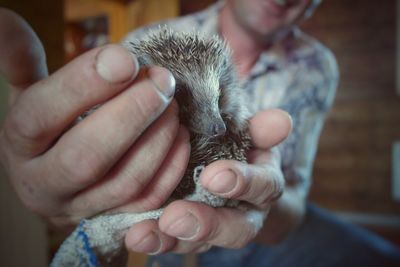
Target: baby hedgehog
(213, 109)
(211, 104)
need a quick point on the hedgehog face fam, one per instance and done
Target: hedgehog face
(201, 83)
(202, 71)
(198, 95)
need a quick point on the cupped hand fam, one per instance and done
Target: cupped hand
(66, 171)
(188, 226)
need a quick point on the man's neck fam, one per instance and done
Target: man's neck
(245, 48)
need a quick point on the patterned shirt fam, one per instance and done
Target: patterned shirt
(297, 74)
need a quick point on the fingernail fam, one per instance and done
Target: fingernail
(223, 182)
(150, 244)
(290, 119)
(204, 248)
(116, 65)
(185, 228)
(256, 219)
(163, 80)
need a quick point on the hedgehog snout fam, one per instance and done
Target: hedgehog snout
(217, 128)
(209, 125)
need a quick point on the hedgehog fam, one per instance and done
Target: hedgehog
(211, 104)
(212, 107)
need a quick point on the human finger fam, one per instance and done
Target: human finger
(142, 180)
(257, 183)
(269, 127)
(43, 112)
(145, 237)
(87, 151)
(184, 247)
(196, 222)
(166, 179)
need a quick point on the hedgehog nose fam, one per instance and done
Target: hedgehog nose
(217, 129)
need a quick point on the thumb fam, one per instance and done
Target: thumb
(23, 60)
(270, 127)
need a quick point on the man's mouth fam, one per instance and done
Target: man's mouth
(285, 3)
(281, 2)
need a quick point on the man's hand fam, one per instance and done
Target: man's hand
(131, 149)
(129, 154)
(187, 226)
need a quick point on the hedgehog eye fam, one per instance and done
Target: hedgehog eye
(225, 62)
(220, 99)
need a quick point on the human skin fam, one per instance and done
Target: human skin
(129, 155)
(55, 167)
(267, 20)
(251, 27)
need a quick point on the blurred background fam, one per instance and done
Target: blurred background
(359, 150)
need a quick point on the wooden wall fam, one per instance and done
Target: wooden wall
(353, 166)
(123, 16)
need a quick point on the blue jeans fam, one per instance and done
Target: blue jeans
(322, 240)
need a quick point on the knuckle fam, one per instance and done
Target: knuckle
(278, 184)
(78, 88)
(245, 190)
(122, 192)
(273, 188)
(156, 199)
(79, 164)
(25, 124)
(147, 103)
